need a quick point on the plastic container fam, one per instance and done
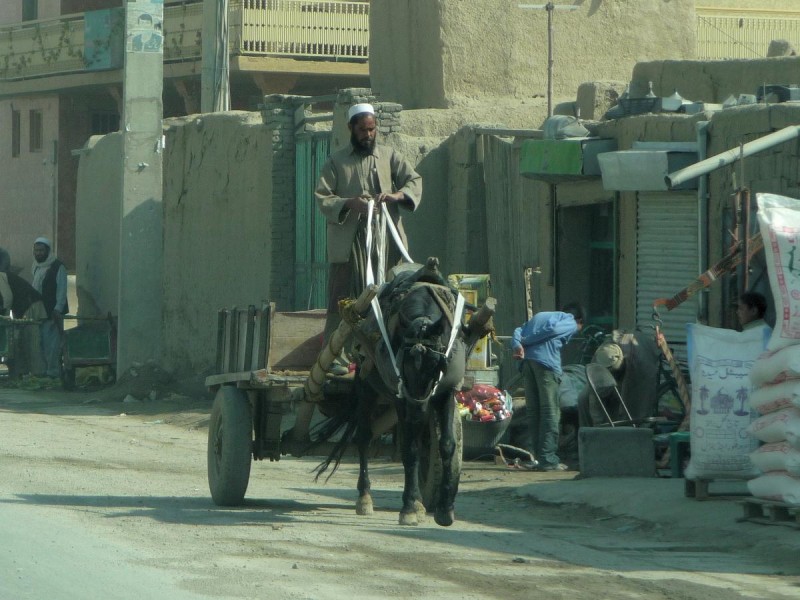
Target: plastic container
(481, 438)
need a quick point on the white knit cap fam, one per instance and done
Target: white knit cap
(43, 240)
(609, 355)
(358, 109)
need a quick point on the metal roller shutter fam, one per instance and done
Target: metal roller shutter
(667, 259)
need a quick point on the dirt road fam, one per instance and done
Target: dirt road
(109, 500)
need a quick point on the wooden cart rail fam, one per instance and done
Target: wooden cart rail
(262, 348)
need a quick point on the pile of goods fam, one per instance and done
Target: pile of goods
(775, 375)
(483, 403)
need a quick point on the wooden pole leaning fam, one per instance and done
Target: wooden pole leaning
(352, 312)
(307, 397)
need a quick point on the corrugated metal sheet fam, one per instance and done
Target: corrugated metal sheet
(508, 207)
(311, 267)
(667, 259)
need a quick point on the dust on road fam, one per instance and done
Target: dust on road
(126, 485)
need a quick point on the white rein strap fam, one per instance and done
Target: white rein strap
(370, 280)
(395, 234)
(456, 325)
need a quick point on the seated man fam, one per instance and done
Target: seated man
(632, 360)
(750, 310)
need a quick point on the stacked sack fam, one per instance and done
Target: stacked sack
(720, 363)
(776, 374)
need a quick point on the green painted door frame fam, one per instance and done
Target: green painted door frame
(311, 265)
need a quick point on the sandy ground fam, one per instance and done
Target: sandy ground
(108, 499)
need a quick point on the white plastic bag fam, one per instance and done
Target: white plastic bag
(775, 367)
(779, 456)
(720, 361)
(779, 222)
(769, 398)
(778, 426)
(778, 486)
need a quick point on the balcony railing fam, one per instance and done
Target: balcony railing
(743, 33)
(321, 29)
(324, 30)
(42, 48)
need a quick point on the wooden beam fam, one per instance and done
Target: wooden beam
(271, 64)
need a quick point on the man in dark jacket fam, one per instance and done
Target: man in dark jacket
(50, 280)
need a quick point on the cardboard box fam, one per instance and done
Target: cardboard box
(480, 284)
(475, 289)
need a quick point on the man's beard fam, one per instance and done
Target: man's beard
(362, 147)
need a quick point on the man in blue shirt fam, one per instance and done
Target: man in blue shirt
(538, 345)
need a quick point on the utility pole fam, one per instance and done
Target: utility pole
(140, 256)
(215, 75)
(549, 7)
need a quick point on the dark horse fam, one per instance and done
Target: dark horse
(419, 369)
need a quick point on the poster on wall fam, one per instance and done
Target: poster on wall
(145, 26)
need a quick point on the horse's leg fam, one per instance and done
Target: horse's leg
(363, 436)
(410, 512)
(443, 411)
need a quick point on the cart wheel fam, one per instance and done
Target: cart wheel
(430, 463)
(230, 446)
(68, 378)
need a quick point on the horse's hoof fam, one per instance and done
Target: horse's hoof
(408, 518)
(420, 509)
(445, 518)
(364, 506)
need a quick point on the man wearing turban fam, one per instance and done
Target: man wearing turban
(50, 280)
(352, 176)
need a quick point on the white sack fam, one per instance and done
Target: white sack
(769, 398)
(775, 367)
(779, 222)
(779, 456)
(720, 361)
(778, 426)
(780, 487)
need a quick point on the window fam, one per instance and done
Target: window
(104, 122)
(15, 132)
(36, 131)
(30, 10)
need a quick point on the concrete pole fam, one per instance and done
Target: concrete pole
(141, 230)
(215, 74)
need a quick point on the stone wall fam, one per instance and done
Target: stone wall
(425, 54)
(712, 81)
(278, 114)
(219, 220)
(97, 226)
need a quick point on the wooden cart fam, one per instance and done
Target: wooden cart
(92, 342)
(11, 332)
(263, 362)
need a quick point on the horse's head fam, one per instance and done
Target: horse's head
(420, 340)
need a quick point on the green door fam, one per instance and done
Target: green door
(311, 266)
